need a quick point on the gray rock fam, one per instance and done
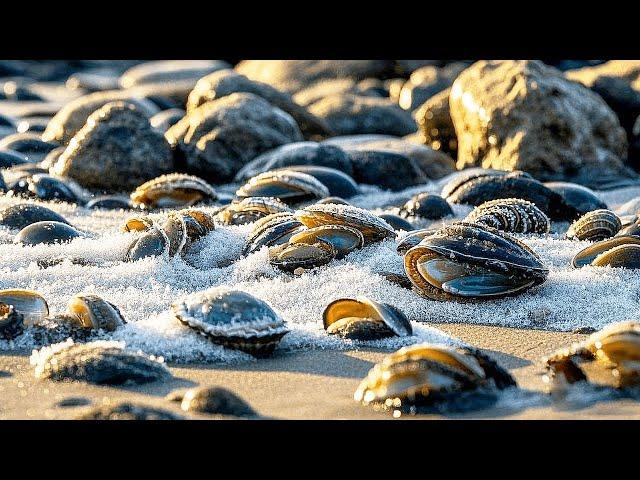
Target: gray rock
(72, 117)
(128, 411)
(387, 170)
(302, 153)
(426, 82)
(117, 149)
(433, 164)
(168, 71)
(220, 137)
(524, 115)
(293, 75)
(435, 125)
(369, 87)
(349, 114)
(225, 82)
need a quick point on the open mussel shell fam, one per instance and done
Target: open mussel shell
(472, 261)
(250, 210)
(29, 304)
(272, 230)
(413, 239)
(290, 257)
(372, 227)
(426, 373)
(93, 312)
(343, 239)
(364, 319)
(11, 322)
(173, 190)
(594, 226)
(587, 255)
(288, 186)
(47, 233)
(232, 318)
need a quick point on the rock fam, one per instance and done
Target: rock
(28, 144)
(167, 118)
(524, 115)
(128, 411)
(618, 83)
(169, 71)
(225, 82)
(385, 169)
(117, 149)
(433, 164)
(220, 137)
(369, 87)
(216, 401)
(425, 82)
(435, 125)
(94, 80)
(72, 117)
(301, 153)
(163, 95)
(348, 114)
(293, 75)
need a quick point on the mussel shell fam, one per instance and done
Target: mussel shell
(413, 239)
(363, 317)
(458, 179)
(22, 215)
(92, 312)
(216, 401)
(250, 210)
(286, 185)
(276, 230)
(343, 239)
(594, 226)
(232, 318)
(372, 227)
(428, 206)
(11, 322)
(153, 243)
(172, 190)
(511, 215)
(46, 232)
(291, 256)
(588, 254)
(472, 261)
(577, 197)
(176, 230)
(29, 304)
(623, 256)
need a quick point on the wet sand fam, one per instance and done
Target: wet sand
(311, 385)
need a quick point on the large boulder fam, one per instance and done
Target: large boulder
(72, 117)
(294, 75)
(219, 137)
(435, 125)
(426, 82)
(225, 82)
(117, 149)
(525, 115)
(348, 114)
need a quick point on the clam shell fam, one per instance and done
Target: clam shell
(250, 210)
(153, 243)
(274, 229)
(343, 239)
(588, 254)
(232, 318)
(594, 226)
(91, 311)
(173, 190)
(372, 227)
(286, 185)
(290, 257)
(623, 256)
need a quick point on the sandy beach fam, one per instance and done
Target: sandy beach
(314, 384)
